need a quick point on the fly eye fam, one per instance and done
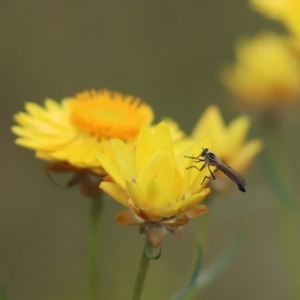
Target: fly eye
(204, 151)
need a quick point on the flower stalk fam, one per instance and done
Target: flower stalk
(142, 272)
(94, 245)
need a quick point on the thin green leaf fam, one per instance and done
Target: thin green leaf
(201, 279)
(181, 294)
(211, 273)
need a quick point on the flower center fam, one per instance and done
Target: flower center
(109, 114)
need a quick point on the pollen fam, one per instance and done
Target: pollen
(107, 114)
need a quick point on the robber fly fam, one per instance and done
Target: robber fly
(211, 159)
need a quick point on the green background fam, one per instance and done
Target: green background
(170, 54)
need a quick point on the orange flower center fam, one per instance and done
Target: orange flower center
(109, 114)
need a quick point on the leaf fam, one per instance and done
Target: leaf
(211, 273)
(181, 294)
(202, 278)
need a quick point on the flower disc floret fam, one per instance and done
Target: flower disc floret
(108, 114)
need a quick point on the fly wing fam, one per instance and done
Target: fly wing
(232, 174)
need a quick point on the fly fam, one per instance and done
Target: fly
(211, 159)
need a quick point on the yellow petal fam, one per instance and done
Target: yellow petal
(89, 157)
(52, 105)
(176, 133)
(74, 150)
(188, 203)
(111, 168)
(162, 136)
(116, 192)
(137, 196)
(35, 110)
(169, 177)
(210, 124)
(236, 134)
(54, 143)
(27, 121)
(163, 212)
(244, 157)
(154, 192)
(150, 168)
(144, 147)
(31, 144)
(21, 131)
(124, 158)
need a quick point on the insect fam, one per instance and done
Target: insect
(211, 159)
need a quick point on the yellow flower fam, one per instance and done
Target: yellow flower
(229, 142)
(286, 11)
(154, 184)
(294, 44)
(266, 72)
(69, 133)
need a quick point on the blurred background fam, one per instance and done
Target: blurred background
(170, 54)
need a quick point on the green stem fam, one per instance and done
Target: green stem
(277, 168)
(141, 275)
(289, 211)
(94, 239)
(291, 246)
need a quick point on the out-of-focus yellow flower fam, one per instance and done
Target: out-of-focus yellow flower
(266, 73)
(176, 133)
(70, 133)
(154, 184)
(73, 130)
(294, 44)
(286, 11)
(229, 142)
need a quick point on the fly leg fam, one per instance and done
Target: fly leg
(199, 169)
(195, 159)
(211, 173)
